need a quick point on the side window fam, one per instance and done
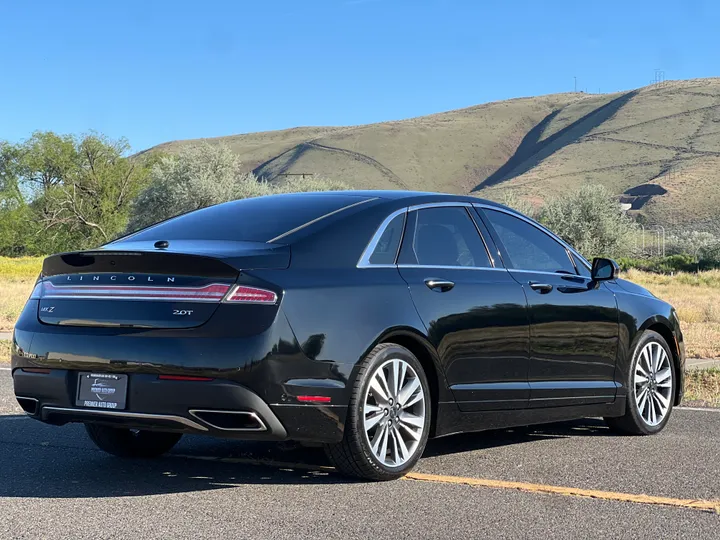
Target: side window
(387, 247)
(444, 236)
(528, 247)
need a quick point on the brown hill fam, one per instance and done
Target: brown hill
(657, 148)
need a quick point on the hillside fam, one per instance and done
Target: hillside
(657, 148)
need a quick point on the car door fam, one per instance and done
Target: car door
(573, 320)
(474, 311)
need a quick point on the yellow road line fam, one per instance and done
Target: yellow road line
(695, 504)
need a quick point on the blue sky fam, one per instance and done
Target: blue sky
(154, 71)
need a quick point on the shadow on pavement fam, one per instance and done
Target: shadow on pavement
(33, 466)
(482, 440)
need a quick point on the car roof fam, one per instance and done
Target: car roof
(415, 197)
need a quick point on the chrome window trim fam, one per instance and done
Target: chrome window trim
(442, 267)
(546, 273)
(300, 227)
(131, 415)
(541, 228)
(364, 261)
(438, 205)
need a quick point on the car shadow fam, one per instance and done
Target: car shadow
(485, 440)
(36, 467)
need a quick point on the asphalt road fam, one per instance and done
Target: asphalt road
(55, 484)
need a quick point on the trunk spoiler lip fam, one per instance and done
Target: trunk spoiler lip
(235, 256)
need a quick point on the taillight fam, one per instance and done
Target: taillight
(208, 293)
(250, 295)
(36, 292)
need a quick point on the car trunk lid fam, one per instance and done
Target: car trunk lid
(135, 285)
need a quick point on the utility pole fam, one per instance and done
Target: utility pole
(659, 77)
(575, 83)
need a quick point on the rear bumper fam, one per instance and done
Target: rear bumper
(219, 408)
(264, 374)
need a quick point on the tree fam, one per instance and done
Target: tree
(512, 200)
(204, 175)
(591, 221)
(95, 196)
(59, 192)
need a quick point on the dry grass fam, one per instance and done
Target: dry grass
(703, 385)
(696, 298)
(4, 351)
(17, 277)
(20, 267)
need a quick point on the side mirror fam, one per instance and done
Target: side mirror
(604, 269)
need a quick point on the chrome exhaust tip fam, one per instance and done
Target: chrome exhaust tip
(230, 420)
(28, 404)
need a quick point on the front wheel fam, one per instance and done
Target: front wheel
(388, 419)
(130, 443)
(651, 388)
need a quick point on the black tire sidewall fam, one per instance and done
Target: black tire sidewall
(373, 362)
(647, 337)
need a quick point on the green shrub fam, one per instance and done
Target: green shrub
(663, 265)
(203, 176)
(591, 221)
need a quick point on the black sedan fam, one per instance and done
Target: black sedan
(366, 321)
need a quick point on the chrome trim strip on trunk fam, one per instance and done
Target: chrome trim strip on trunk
(130, 415)
(205, 293)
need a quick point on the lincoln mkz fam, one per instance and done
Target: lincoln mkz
(363, 321)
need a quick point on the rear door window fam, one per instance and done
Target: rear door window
(443, 236)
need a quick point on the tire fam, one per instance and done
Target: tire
(128, 443)
(662, 382)
(402, 429)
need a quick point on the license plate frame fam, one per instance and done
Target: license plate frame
(107, 391)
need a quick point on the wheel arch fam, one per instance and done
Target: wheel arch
(423, 350)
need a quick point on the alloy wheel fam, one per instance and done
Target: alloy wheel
(653, 383)
(394, 412)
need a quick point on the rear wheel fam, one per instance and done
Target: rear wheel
(130, 443)
(651, 388)
(388, 418)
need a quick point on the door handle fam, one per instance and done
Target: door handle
(542, 288)
(439, 285)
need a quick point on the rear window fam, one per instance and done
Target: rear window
(258, 219)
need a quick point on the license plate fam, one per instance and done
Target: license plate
(102, 391)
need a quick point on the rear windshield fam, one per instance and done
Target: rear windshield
(254, 220)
